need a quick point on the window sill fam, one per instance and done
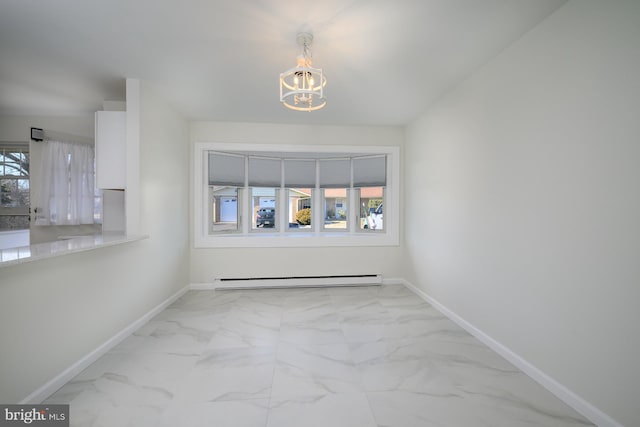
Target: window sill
(24, 254)
(296, 240)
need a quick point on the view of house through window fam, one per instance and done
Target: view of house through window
(299, 208)
(275, 192)
(335, 208)
(223, 203)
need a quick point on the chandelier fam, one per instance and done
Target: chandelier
(302, 87)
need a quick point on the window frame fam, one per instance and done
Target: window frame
(285, 237)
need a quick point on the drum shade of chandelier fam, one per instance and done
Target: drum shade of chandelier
(302, 87)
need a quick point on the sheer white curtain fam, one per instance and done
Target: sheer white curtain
(67, 184)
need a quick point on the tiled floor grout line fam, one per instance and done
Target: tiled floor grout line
(357, 357)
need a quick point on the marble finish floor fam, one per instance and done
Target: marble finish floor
(352, 357)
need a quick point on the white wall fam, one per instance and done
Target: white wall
(527, 177)
(206, 264)
(55, 311)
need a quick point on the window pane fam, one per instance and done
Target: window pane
(223, 202)
(335, 208)
(14, 222)
(8, 193)
(23, 192)
(299, 205)
(371, 208)
(12, 169)
(263, 205)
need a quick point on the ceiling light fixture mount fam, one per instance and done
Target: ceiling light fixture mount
(302, 87)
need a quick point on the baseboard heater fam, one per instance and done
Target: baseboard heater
(297, 281)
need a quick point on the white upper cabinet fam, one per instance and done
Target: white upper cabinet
(111, 149)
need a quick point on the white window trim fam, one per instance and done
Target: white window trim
(284, 238)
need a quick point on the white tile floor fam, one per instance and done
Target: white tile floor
(362, 356)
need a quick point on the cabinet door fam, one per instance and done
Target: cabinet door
(111, 149)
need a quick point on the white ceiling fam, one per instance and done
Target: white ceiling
(385, 60)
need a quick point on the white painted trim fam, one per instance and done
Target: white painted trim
(202, 287)
(394, 281)
(132, 194)
(563, 393)
(283, 238)
(65, 376)
(560, 391)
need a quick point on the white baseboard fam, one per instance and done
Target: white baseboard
(271, 284)
(570, 398)
(202, 287)
(393, 281)
(65, 376)
(585, 408)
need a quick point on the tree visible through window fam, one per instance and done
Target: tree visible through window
(14, 187)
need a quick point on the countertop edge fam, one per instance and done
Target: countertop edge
(32, 253)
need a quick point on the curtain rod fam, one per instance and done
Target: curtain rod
(45, 135)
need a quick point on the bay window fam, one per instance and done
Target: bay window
(295, 196)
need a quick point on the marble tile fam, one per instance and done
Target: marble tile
(395, 365)
(126, 416)
(395, 291)
(368, 327)
(264, 299)
(125, 389)
(204, 300)
(172, 337)
(305, 369)
(298, 297)
(311, 323)
(85, 379)
(425, 322)
(406, 409)
(245, 332)
(354, 356)
(335, 410)
(358, 305)
(312, 333)
(238, 413)
(230, 374)
(342, 291)
(398, 295)
(310, 310)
